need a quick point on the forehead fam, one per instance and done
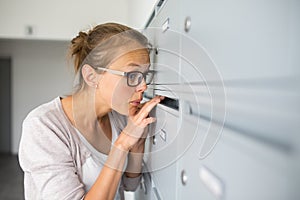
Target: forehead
(132, 59)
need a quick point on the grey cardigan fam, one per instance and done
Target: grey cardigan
(52, 155)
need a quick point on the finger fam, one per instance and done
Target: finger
(149, 120)
(156, 98)
(161, 98)
(143, 104)
(134, 109)
(144, 112)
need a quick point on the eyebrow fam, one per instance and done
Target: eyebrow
(135, 65)
(132, 64)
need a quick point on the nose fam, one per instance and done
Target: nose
(142, 86)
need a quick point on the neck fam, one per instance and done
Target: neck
(91, 99)
(95, 128)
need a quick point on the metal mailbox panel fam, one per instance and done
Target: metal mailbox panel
(246, 40)
(238, 167)
(160, 162)
(166, 47)
(189, 184)
(253, 58)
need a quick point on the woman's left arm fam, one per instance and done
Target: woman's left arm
(135, 159)
(132, 176)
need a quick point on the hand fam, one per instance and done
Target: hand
(139, 146)
(138, 120)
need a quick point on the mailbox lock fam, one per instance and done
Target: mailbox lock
(156, 50)
(187, 24)
(183, 177)
(153, 140)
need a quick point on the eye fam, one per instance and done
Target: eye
(133, 76)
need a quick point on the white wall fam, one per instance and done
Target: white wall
(39, 74)
(139, 11)
(57, 19)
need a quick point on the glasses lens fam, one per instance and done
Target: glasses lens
(134, 78)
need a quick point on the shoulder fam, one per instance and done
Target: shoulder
(45, 133)
(45, 110)
(49, 115)
(47, 123)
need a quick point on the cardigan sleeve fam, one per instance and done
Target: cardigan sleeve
(45, 157)
(131, 184)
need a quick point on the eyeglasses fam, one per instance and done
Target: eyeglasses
(134, 78)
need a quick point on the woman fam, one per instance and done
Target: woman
(90, 145)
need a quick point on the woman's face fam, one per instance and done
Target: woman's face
(114, 89)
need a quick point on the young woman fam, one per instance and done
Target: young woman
(90, 145)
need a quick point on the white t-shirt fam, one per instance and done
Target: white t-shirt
(94, 163)
(58, 162)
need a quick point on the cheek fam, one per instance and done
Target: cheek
(121, 95)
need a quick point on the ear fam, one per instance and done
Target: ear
(89, 75)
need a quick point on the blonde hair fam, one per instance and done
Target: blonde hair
(102, 44)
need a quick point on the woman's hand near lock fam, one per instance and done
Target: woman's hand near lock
(138, 120)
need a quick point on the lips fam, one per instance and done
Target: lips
(136, 102)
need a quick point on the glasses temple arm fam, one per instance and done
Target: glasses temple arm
(112, 71)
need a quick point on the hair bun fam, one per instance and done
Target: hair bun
(79, 43)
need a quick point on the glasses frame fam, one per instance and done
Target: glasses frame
(126, 74)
